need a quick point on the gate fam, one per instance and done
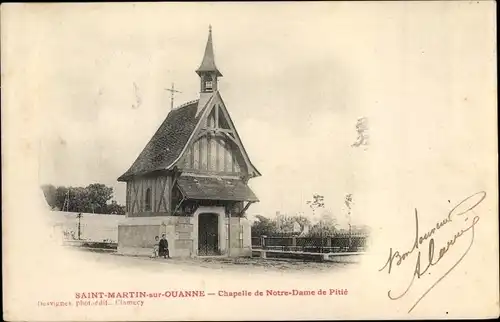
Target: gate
(208, 234)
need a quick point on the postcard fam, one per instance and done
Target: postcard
(249, 161)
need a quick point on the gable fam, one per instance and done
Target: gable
(215, 146)
(216, 118)
(181, 137)
(252, 169)
(213, 154)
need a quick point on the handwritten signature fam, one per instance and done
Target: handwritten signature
(396, 258)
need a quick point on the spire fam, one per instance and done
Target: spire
(208, 63)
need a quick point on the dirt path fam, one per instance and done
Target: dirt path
(217, 263)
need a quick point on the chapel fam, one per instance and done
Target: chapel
(190, 181)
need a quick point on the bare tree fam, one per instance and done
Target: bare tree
(348, 202)
(316, 202)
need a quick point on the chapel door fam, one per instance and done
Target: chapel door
(208, 234)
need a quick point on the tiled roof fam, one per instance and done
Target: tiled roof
(215, 189)
(168, 142)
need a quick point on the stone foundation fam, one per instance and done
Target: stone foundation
(136, 235)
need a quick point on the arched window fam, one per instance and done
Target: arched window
(148, 200)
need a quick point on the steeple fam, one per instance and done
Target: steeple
(208, 71)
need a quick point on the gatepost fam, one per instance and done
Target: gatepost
(263, 245)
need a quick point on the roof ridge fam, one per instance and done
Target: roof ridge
(186, 104)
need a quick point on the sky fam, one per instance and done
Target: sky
(296, 79)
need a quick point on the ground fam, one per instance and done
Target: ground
(222, 263)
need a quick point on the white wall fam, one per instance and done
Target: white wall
(136, 234)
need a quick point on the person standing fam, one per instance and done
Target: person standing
(163, 247)
(156, 247)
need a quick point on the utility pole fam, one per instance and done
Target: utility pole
(172, 91)
(66, 202)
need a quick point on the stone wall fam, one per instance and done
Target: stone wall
(136, 235)
(183, 236)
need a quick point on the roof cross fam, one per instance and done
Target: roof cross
(172, 90)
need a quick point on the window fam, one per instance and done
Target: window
(148, 200)
(208, 83)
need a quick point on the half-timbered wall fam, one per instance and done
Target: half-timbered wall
(159, 190)
(213, 155)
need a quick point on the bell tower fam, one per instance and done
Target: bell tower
(208, 71)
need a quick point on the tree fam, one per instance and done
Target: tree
(321, 229)
(115, 209)
(61, 194)
(315, 203)
(285, 224)
(327, 225)
(264, 226)
(348, 202)
(49, 191)
(302, 221)
(78, 200)
(95, 198)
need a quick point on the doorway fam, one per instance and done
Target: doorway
(208, 234)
